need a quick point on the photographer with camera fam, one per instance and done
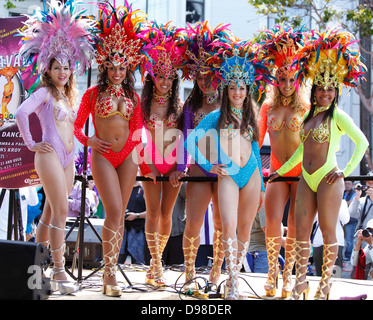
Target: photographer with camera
(361, 259)
(361, 208)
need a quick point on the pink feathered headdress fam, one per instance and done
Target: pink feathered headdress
(167, 56)
(60, 33)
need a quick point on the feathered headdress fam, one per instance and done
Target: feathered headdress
(328, 59)
(199, 41)
(279, 46)
(239, 61)
(60, 33)
(123, 37)
(167, 56)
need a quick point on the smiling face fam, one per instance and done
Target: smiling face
(202, 84)
(59, 74)
(163, 84)
(324, 97)
(286, 85)
(116, 74)
(237, 94)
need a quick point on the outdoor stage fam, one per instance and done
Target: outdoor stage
(251, 285)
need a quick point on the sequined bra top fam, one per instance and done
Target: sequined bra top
(104, 108)
(62, 113)
(320, 134)
(293, 124)
(155, 121)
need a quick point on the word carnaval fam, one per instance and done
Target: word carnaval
(188, 309)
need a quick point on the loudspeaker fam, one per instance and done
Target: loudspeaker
(21, 270)
(93, 253)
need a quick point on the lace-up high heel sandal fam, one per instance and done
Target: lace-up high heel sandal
(46, 242)
(218, 258)
(111, 259)
(63, 286)
(288, 267)
(231, 288)
(273, 245)
(302, 253)
(330, 252)
(151, 239)
(159, 280)
(190, 254)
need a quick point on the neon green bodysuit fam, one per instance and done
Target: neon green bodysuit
(340, 124)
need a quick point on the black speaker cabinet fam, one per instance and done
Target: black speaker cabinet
(21, 270)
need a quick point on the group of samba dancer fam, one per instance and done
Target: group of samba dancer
(217, 132)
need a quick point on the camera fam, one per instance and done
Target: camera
(362, 187)
(365, 233)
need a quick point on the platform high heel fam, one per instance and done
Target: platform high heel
(273, 245)
(302, 249)
(330, 252)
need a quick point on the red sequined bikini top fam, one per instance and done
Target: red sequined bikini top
(104, 108)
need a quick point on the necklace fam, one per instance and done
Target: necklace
(237, 112)
(161, 99)
(286, 100)
(211, 98)
(320, 109)
(116, 90)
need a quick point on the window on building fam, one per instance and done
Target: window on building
(195, 11)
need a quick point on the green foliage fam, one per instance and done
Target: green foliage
(10, 5)
(360, 19)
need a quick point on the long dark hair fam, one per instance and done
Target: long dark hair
(195, 101)
(128, 85)
(329, 112)
(249, 114)
(147, 96)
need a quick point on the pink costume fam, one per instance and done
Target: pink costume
(41, 102)
(163, 165)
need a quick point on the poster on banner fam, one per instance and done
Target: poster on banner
(16, 160)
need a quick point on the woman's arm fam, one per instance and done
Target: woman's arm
(23, 112)
(208, 122)
(182, 154)
(262, 123)
(346, 124)
(255, 147)
(85, 108)
(136, 125)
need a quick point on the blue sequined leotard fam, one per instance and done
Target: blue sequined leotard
(240, 175)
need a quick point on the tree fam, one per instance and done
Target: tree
(10, 5)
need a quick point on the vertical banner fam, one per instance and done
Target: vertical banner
(16, 161)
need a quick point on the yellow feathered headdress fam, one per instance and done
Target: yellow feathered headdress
(328, 59)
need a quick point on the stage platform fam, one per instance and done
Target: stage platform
(251, 285)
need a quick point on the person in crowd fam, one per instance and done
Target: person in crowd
(122, 43)
(321, 185)
(203, 99)
(134, 243)
(317, 253)
(362, 258)
(173, 252)
(348, 195)
(238, 167)
(161, 107)
(361, 208)
(54, 42)
(281, 116)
